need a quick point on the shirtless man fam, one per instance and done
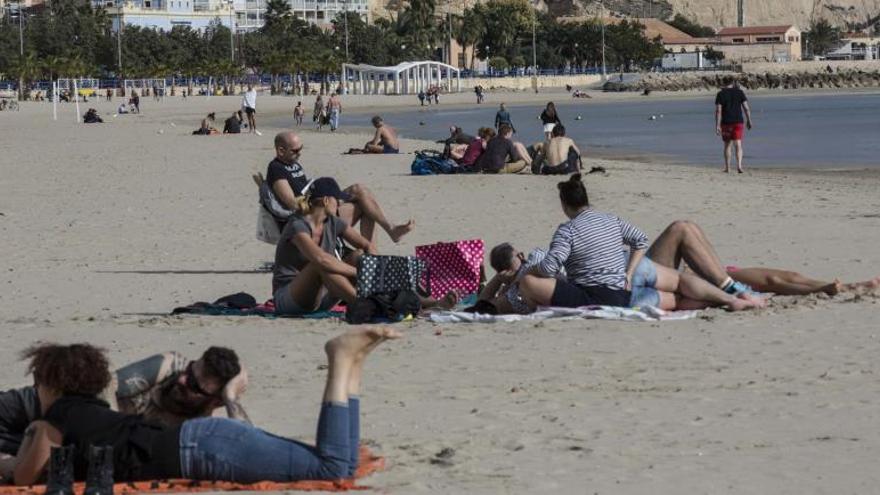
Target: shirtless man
(165, 388)
(384, 140)
(334, 107)
(287, 181)
(559, 155)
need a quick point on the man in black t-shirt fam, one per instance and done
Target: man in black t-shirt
(502, 155)
(730, 105)
(232, 125)
(287, 180)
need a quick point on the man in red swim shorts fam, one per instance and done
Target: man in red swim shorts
(730, 106)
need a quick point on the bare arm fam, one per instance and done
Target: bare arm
(717, 119)
(316, 255)
(33, 456)
(143, 375)
(357, 240)
(748, 111)
(284, 193)
(232, 393)
(377, 137)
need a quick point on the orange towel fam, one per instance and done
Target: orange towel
(369, 465)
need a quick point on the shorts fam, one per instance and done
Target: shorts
(250, 111)
(549, 127)
(286, 306)
(389, 150)
(644, 282)
(732, 132)
(569, 295)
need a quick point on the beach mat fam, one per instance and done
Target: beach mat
(645, 313)
(243, 304)
(369, 465)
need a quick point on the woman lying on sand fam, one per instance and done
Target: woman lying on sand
(589, 248)
(69, 378)
(308, 276)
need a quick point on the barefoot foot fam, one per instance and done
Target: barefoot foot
(833, 288)
(746, 301)
(449, 300)
(355, 345)
(398, 231)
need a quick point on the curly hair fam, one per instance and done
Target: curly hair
(221, 363)
(81, 369)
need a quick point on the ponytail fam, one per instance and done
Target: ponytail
(573, 193)
(302, 204)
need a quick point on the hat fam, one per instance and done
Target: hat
(327, 186)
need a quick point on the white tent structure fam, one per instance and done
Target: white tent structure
(405, 78)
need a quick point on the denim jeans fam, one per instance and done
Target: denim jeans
(334, 118)
(229, 450)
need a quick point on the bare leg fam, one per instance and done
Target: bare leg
(739, 155)
(867, 285)
(686, 240)
(537, 291)
(727, 157)
(514, 167)
(784, 282)
(447, 302)
(345, 354)
(370, 209)
(523, 153)
(693, 287)
(306, 288)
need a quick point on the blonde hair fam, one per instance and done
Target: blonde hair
(305, 203)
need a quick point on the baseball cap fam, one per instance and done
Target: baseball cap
(327, 186)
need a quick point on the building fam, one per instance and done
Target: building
(856, 46)
(747, 44)
(242, 15)
(165, 14)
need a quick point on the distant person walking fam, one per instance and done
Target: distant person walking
(249, 102)
(319, 113)
(731, 110)
(298, 113)
(503, 117)
(334, 108)
(549, 118)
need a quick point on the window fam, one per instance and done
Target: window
(739, 40)
(767, 39)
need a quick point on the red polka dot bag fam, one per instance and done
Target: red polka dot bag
(453, 266)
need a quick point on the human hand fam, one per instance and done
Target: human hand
(717, 130)
(507, 276)
(749, 125)
(236, 387)
(628, 284)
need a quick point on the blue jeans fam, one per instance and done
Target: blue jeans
(334, 118)
(221, 449)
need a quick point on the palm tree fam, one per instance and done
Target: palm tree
(25, 69)
(468, 31)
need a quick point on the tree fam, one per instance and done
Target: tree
(691, 27)
(822, 37)
(713, 55)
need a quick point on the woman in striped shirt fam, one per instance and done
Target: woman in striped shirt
(589, 247)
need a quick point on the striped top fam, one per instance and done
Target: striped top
(588, 247)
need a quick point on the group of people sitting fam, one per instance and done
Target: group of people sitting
(155, 416)
(91, 117)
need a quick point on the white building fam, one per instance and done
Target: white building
(243, 15)
(165, 14)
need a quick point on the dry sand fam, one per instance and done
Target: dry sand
(106, 228)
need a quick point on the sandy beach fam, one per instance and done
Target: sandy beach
(106, 228)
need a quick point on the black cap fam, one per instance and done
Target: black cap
(327, 186)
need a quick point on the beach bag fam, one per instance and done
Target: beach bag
(271, 203)
(453, 266)
(268, 230)
(431, 162)
(392, 274)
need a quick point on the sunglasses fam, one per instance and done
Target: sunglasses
(192, 382)
(297, 150)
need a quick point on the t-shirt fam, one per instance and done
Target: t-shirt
(232, 126)
(288, 258)
(18, 409)
(731, 101)
(548, 119)
(250, 99)
(473, 151)
(292, 173)
(495, 156)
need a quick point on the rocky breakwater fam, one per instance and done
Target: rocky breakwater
(689, 81)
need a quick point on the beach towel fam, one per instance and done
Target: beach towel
(243, 304)
(369, 464)
(644, 313)
(453, 266)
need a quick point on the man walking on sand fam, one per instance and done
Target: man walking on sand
(249, 103)
(335, 109)
(730, 105)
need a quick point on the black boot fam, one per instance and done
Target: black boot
(100, 476)
(60, 479)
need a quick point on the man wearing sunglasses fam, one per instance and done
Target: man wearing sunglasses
(287, 180)
(165, 388)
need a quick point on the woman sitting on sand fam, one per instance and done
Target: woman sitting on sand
(466, 155)
(69, 378)
(308, 275)
(588, 247)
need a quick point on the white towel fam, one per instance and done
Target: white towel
(645, 313)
